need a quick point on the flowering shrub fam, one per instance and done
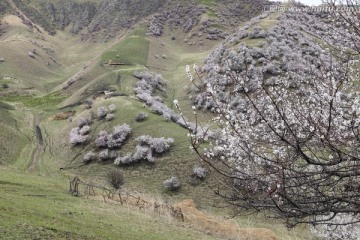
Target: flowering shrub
(124, 160)
(102, 111)
(76, 137)
(200, 172)
(172, 184)
(143, 153)
(83, 121)
(141, 117)
(145, 150)
(89, 157)
(101, 140)
(84, 130)
(146, 87)
(157, 145)
(114, 139)
(109, 116)
(104, 155)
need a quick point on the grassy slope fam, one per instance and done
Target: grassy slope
(41, 72)
(180, 160)
(13, 133)
(33, 207)
(133, 50)
(146, 178)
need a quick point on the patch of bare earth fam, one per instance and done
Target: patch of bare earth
(187, 213)
(222, 228)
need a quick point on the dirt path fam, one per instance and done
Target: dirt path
(36, 153)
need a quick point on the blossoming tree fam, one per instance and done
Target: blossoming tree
(291, 150)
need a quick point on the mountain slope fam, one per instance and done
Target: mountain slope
(79, 63)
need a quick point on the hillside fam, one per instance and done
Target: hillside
(87, 86)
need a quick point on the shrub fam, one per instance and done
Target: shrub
(141, 117)
(167, 115)
(172, 184)
(89, 103)
(199, 172)
(109, 116)
(158, 145)
(84, 130)
(76, 137)
(104, 155)
(143, 153)
(101, 140)
(115, 178)
(112, 108)
(102, 111)
(83, 121)
(121, 132)
(124, 160)
(89, 157)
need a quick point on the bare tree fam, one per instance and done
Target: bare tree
(115, 178)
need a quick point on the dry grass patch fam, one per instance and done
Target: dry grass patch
(223, 228)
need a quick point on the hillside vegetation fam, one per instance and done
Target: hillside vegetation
(72, 72)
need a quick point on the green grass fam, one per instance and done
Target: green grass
(6, 106)
(46, 102)
(33, 207)
(133, 50)
(12, 136)
(205, 2)
(143, 177)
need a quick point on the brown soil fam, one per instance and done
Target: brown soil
(64, 115)
(222, 228)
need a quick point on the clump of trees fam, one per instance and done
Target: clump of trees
(147, 148)
(79, 135)
(107, 143)
(114, 139)
(145, 90)
(155, 27)
(182, 16)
